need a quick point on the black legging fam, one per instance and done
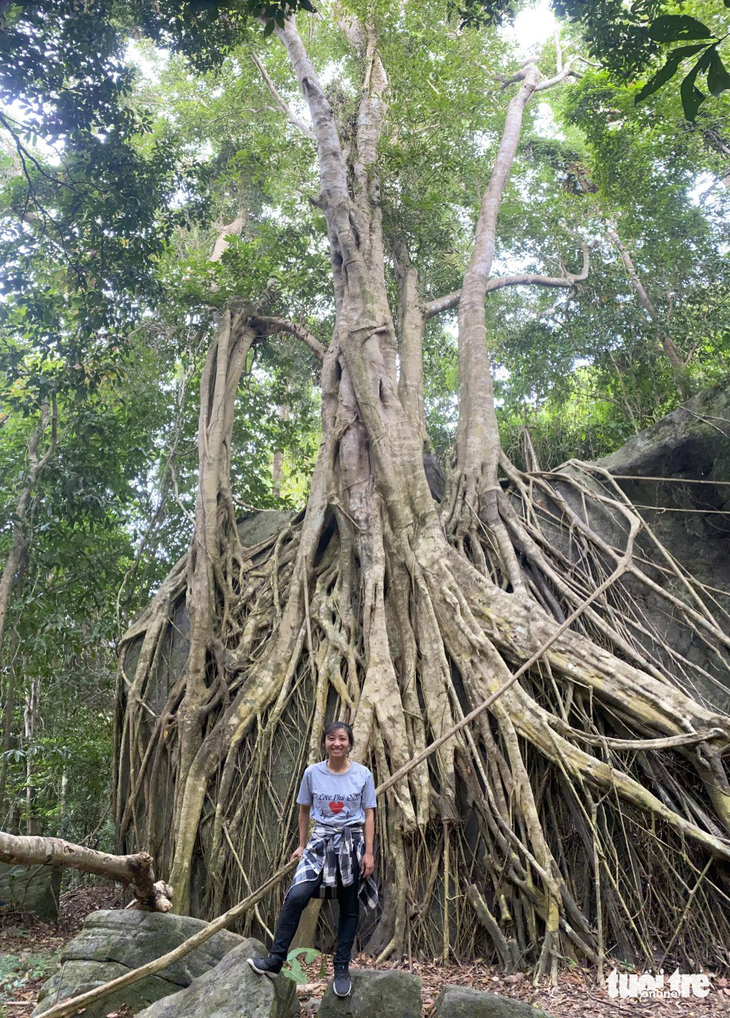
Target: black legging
(295, 902)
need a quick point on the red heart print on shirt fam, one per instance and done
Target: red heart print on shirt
(336, 806)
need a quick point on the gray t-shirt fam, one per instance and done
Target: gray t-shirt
(337, 799)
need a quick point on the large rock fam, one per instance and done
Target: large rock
(31, 888)
(231, 990)
(680, 466)
(463, 1002)
(112, 942)
(376, 993)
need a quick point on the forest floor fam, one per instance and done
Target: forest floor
(576, 996)
(30, 949)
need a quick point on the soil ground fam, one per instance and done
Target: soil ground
(29, 951)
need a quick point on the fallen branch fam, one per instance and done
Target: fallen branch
(134, 870)
(281, 102)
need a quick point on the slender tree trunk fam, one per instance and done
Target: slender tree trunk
(12, 573)
(8, 711)
(411, 323)
(31, 716)
(477, 438)
(667, 344)
(62, 800)
(18, 543)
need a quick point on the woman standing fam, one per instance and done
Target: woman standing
(339, 795)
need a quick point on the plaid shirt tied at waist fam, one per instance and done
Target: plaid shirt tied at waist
(333, 848)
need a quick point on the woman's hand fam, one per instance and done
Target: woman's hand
(297, 854)
(367, 865)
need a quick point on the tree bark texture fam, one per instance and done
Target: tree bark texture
(593, 774)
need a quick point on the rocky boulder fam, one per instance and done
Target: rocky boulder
(375, 994)
(31, 888)
(114, 941)
(231, 990)
(676, 474)
(463, 1002)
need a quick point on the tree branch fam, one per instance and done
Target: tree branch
(24, 154)
(281, 102)
(451, 300)
(232, 229)
(134, 870)
(565, 72)
(334, 197)
(670, 348)
(271, 325)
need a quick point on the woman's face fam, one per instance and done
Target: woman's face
(337, 743)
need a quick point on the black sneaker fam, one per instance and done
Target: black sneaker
(270, 966)
(342, 984)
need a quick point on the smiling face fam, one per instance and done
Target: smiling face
(337, 744)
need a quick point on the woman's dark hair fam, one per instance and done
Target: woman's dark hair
(332, 727)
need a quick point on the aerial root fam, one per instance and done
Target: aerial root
(592, 775)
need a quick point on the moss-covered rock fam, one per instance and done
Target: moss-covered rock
(463, 1002)
(231, 990)
(114, 941)
(376, 993)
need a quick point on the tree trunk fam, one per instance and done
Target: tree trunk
(373, 608)
(8, 711)
(36, 465)
(31, 715)
(12, 573)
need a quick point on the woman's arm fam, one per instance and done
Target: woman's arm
(303, 831)
(368, 860)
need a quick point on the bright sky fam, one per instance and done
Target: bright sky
(532, 28)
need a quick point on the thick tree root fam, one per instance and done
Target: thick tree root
(590, 786)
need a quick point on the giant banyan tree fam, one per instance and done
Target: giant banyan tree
(586, 814)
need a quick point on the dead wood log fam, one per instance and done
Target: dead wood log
(136, 871)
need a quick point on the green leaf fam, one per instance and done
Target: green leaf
(692, 97)
(269, 27)
(293, 969)
(718, 78)
(309, 954)
(668, 71)
(673, 27)
(307, 5)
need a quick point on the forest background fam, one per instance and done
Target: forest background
(152, 171)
